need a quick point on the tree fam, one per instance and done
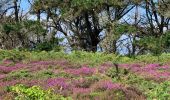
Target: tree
(81, 19)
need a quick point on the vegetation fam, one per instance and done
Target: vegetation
(34, 93)
(87, 24)
(83, 75)
(84, 50)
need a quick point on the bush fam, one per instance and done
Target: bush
(14, 55)
(34, 93)
(161, 92)
(47, 46)
(18, 75)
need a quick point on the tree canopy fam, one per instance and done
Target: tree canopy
(89, 25)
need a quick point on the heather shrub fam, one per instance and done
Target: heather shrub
(150, 88)
(64, 74)
(112, 95)
(83, 75)
(44, 74)
(82, 83)
(87, 94)
(18, 75)
(82, 95)
(58, 83)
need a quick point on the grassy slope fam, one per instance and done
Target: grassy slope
(132, 81)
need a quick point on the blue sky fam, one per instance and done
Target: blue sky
(25, 5)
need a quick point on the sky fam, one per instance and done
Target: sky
(25, 5)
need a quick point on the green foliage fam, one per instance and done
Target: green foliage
(166, 38)
(147, 87)
(92, 59)
(44, 74)
(64, 74)
(29, 25)
(151, 89)
(78, 6)
(84, 57)
(121, 28)
(47, 46)
(152, 59)
(34, 93)
(19, 74)
(107, 95)
(43, 55)
(14, 55)
(9, 27)
(155, 45)
(34, 26)
(161, 91)
(89, 4)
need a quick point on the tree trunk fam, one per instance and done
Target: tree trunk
(16, 10)
(38, 19)
(20, 36)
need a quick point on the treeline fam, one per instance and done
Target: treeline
(87, 25)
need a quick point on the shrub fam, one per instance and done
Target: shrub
(18, 74)
(160, 92)
(14, 55)
(44, 74)
(35, 93)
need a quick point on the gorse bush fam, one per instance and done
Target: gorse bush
(161, 91)
(34, 93)
(14, 55)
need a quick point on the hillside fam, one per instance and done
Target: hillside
(82, 76)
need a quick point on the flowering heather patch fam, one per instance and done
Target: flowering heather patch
(109, 85)
(81, 71)
(151, 67)
(64, 64)
(125, 66)
(155, 70)
(7, 69)
(150, 70)
(104, 67)
(78, 82)
(165, 67)
(2, 76)
(57, 82)
(61, 63)
(10, 83)
(75, 80)
(83, 82)
(81, 90)
(39, 65)
(34, 63)
(6, 62)
(156, 74)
